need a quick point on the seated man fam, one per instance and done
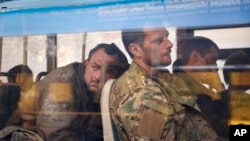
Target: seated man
(21, 75)
(198, 67)
(199, 70)
(20, 79)
(61, 106)
(148, 103)
(236, 73)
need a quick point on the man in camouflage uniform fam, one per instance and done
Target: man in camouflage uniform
(148, 103)
(61, 106)
(200, 72)
(198, 67)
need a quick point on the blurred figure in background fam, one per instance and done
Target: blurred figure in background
(236, 99)
(21, 75)
(20, 79)
(62, 105)
(198, 68)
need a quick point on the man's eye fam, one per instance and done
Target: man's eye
(95, 68)
(158, 41)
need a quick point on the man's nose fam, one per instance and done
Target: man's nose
(97, 75)
(168, 43)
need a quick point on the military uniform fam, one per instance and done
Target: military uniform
(209, 103)
(145, 107)
(59, 107)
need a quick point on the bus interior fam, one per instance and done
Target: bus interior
(46, 34)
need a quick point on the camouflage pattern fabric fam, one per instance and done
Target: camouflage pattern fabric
(209, 103)
(145, 107)
(15, 133)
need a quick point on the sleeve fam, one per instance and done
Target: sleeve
(144, 114)
(55, 111)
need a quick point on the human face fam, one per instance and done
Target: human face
(207, 72)
(209, 61)
(156, 47)
(93, 68)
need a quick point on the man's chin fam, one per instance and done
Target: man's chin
(163, 64)
(93, 89)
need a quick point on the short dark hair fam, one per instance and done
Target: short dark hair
(201, 44)
(237, 62)
(110, 49)
(12, 73)
(135, 36)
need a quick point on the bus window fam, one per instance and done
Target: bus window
(70, 48)
(46, 35)
(237, 38)
(14, 52)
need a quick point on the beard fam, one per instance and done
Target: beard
(93, 86)
(161, 64)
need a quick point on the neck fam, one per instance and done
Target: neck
(187, 68)
(148, 69)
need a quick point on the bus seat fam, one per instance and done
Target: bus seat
(108, 128)
(9, 96)
(40, 75)
(113, 70)
(3, 74)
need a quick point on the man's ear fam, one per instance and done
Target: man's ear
(19, 78)
(135, 50)
(85, 62)
(194, 57)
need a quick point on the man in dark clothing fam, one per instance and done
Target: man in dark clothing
(61, 106)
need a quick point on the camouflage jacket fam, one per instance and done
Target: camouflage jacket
(209, 103)
(61, 108)
(144, 107)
